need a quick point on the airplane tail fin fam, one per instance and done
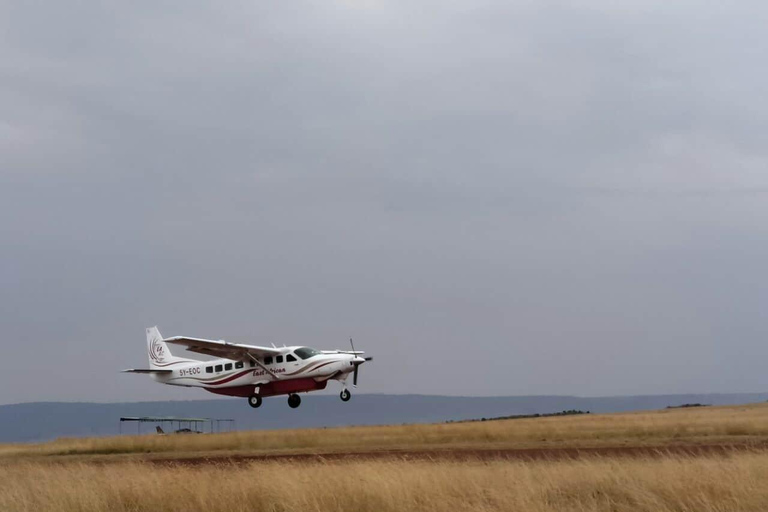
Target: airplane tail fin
(160, 430)
(160, 356)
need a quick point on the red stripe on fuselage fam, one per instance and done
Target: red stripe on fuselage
(228, 379)
(309, 370)
(276, 387)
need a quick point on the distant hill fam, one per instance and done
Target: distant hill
(42, 421)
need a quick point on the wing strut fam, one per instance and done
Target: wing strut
(258, 363)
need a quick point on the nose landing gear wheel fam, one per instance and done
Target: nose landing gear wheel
(294, 401)
(254, 401)
(345, 395)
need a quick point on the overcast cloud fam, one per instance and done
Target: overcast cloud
(493, 198)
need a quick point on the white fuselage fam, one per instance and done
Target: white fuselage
(249, 370)
(265, 376)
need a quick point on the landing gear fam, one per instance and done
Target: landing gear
(345, 395)
(254, 401)
(294, 401)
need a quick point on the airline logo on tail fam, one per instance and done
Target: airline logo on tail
(158, 353)
(157, 350)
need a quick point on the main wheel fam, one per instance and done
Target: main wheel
(345, 395)
(254, 401)
(294, 401)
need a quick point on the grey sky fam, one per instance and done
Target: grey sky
(492, 197)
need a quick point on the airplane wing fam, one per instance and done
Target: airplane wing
(222, 348)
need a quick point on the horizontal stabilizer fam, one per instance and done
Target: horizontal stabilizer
(139, 370)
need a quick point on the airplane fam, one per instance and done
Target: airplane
(248, 370)
(162, 432)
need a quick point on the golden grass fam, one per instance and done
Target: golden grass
(734, 482)
(71, 474)
(690, 426)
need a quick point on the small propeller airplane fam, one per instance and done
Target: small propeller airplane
(250, 371)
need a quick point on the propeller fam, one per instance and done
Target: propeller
(357, 365)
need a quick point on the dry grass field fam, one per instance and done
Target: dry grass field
(730, 483)
(707, 425)
(122, 474)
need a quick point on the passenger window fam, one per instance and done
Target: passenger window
(253, 363)
(239, 364)
(228, 366)
(209, 369)
(268, 360)
(290, 358)
(279, 359)
(218, 368)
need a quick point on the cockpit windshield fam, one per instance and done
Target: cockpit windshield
(306, 352)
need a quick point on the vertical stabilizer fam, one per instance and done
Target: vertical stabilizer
(160, 356)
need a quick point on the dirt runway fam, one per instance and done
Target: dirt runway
(530, 454)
